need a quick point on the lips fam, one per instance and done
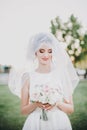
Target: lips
(45, 59)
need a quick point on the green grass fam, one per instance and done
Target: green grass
(11, 118)
(79, 117)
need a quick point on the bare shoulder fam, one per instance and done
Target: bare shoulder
(26, 84)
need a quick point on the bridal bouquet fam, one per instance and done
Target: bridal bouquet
(45, 94)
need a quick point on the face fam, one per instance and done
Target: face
(44, 54)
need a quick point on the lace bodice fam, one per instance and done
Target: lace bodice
(44, 79)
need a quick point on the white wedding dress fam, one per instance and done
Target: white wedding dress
(57, 119)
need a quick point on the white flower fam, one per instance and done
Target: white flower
(77, 43)
(68, 39)
(81, 31)
(69, 25)
(71, 52)
(45, 94)
(59, 35)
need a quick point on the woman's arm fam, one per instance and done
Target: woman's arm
(26, 107)
(67, 107)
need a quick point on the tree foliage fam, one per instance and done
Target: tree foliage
(73, 35)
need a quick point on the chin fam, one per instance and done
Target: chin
(45, 63)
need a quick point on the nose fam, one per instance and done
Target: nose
(46, 54)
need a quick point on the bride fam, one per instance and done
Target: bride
(54, 72)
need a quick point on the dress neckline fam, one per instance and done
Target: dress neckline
(43, 73)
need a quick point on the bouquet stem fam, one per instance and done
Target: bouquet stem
(44, 115)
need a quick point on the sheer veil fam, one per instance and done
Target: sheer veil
(61, 63)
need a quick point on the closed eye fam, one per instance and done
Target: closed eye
(50, 51)
(41, 50)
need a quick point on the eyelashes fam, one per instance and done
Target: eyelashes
(42, 51)
(50, 50)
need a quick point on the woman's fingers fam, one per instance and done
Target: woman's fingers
(39, 104)
(45, 106)
(48, 106)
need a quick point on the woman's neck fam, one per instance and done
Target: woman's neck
(43, 68)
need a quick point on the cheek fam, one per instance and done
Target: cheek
(50, 56)
(39, 55)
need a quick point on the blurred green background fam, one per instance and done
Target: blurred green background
(11, 118)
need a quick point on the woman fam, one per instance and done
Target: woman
(54, 71)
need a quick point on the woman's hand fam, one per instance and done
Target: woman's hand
(48, 106)
(45, 106)
(40, 105)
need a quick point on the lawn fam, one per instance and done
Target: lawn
(11, 118)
